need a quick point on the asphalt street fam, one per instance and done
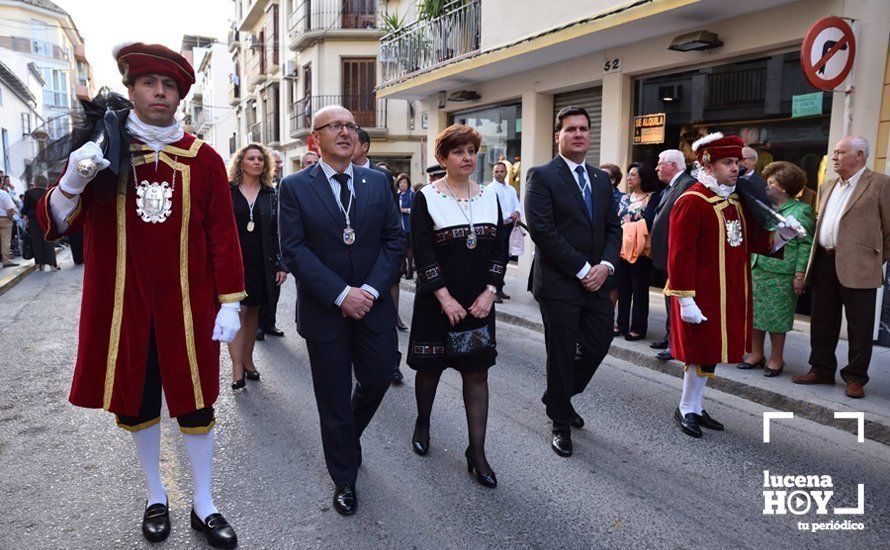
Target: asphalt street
(70, 478)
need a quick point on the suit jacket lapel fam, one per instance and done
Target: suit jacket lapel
(360, 185)
(572, 184)
(322, 188)
(861, 185)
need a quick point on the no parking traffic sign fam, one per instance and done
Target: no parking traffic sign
(827, 53)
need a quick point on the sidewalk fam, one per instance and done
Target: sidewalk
(817, 403)
(10, 276)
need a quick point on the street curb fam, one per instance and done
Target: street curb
(10, 281)
(875, 431)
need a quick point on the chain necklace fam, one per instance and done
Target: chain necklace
(154, 201)
(471, 238)
(250, 205)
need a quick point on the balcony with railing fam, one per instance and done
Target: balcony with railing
(234, 92)
(256, 67)
(423, 45)
(255, 132)
(332, 18)
(271, 136)
(234, 39)
(369, 112)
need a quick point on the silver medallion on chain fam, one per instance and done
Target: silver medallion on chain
(154, 201)
(471, 237)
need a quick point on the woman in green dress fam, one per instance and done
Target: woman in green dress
(777, 282)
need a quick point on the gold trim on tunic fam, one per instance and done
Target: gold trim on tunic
(234, 297)
(119, 281)
(137, 427)
(198, 430)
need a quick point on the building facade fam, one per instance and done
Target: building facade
(40, 44)
(206, 109)
(684, 67)
(294, 57)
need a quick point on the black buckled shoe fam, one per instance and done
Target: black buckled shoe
(217, 530)
(345, 499)
(705, 421)
(156, 522)
(688, 423)
(561, 443)
(397, 377)
(252, 375)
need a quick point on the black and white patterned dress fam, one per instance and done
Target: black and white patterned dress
(439, 238)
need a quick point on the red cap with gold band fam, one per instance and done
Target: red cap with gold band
(716, 146)
(137, 59)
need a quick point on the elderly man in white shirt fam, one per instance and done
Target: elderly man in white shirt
(511, 209)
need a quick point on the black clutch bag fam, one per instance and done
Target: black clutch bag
(471, 342)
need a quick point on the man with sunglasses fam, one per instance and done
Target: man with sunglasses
(342, 239)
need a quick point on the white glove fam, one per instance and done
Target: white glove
(689, 311)
(228, 323)
(785, 231)
(72, 182)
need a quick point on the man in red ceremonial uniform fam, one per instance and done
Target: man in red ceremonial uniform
(712, 236)
(162, 280)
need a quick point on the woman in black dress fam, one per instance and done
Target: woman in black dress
(44, 252)
(255, 201)
(455, 226)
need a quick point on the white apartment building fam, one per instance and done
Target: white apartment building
(37, 37)
(206, 109)
(295, 56)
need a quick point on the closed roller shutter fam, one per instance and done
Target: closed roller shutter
(592, 100)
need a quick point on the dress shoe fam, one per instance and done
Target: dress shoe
(401, 326)
(498, 300)
(397, 376)
(577, 422)
(503, 296)
(10, 264)
(561, 443)
(631, 337)
(260, 335)
(274, 331)
(854, 390)
(664, 355)
(661, 344)
(253, 375)
(345, 499)
(618, 332)
(486, 480)
(744, 365)
(420, 446)
(769, 373)
(812, 378)
(156, 522)
(688, 423)
(217, 530)
(705, 421)
(239, 386)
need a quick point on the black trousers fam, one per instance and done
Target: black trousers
(565, 325)
(505, 242)
(76, 241)
(269, 312)
(344, 413)
(196, 422)
(829, 297)
(633, 295)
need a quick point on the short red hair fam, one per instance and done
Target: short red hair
(455, 136)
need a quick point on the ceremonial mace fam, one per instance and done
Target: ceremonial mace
(801, 232)
(108, 109)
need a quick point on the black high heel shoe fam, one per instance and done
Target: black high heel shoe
(486, 480)
(769, 373)
(252, 375)
(238, 387)
(420, 447)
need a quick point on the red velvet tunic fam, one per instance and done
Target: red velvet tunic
(171, 274)
(702, 263)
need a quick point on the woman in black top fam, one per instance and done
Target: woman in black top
(456, 237)
(255, 201)
(44, 252)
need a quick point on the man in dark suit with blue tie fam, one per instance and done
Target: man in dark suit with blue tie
(572, 218)
(342, 240)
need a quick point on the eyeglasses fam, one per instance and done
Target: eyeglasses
(337, 127)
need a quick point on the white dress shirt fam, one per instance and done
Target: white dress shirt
(572, 165)
(508, 198)
(837, 202)
(335, 189)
